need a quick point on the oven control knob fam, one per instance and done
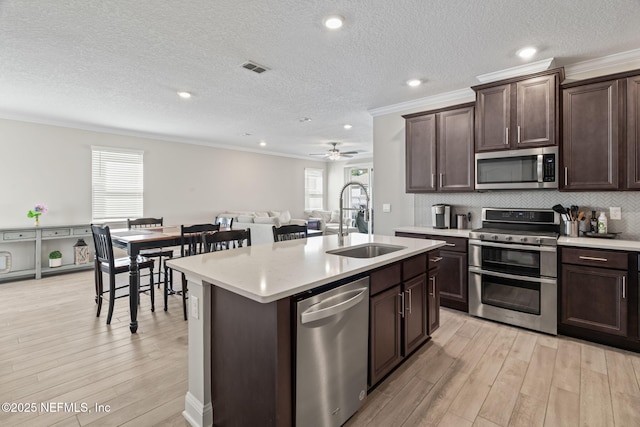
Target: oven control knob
(523, 239)
(538, 240)
(481, 236)
(494, 237)
(509, 238)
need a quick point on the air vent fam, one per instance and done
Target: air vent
(256, 68)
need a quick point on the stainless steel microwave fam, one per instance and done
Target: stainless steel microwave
(517, 169)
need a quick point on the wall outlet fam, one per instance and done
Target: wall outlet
(615, 213)
(195, 308)
(386, 207)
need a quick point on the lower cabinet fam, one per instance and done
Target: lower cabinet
(433, 292)
(594, 294)
(454, 270)
(399, 314)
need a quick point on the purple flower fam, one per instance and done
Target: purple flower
(40, 208)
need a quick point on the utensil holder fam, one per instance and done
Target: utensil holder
(571, 228)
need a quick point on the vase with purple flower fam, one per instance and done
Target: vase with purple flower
(38, 210)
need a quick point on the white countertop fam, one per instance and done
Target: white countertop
(595, 243)
(269, 272)
(453, 232)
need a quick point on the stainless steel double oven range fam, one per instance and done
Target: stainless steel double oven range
(513, 268)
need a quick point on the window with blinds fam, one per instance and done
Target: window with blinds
(117, 184)
(313, 188)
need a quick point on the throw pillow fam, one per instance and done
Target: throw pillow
(285, 217)
(274, 213)
(262, 214)
(324, 215)
(335, 217)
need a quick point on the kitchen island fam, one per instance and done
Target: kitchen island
(240, 321)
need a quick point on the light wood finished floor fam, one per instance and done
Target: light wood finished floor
(472, 373)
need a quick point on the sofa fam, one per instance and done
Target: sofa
(330, 221)
(261, 222)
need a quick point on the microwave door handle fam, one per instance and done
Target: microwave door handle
(540, 176)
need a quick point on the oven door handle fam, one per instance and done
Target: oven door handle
(478, 270)
(533, 248)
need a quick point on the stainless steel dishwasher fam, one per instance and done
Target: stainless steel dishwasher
(331, 354)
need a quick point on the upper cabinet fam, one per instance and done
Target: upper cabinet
(439, 150)
(518, 113)
(600, 137)
(590, 137)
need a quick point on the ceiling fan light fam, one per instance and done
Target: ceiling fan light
(334, 155)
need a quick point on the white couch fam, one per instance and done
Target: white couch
(261, 222)
(330, 221)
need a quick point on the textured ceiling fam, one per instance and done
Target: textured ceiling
(116, 65)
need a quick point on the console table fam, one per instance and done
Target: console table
(30, 246)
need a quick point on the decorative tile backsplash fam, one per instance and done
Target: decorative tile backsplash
(629, 225)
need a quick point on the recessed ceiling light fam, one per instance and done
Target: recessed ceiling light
(304, 119)
(184, 95)
(526, 52)
(333, 22)
(414, 82)
(347, 126)
(262, 143)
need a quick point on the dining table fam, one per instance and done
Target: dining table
(133, 241)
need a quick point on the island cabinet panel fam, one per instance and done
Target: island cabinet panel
(453, 277)
(433, 292)
(415, 313)
(595, 290)
(250, 360)
(385, 340)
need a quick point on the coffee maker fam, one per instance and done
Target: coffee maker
(441, 216)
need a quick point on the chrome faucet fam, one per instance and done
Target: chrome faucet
(342, 233)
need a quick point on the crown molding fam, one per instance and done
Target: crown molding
(453, 97)
(520, 70)
(67, 124)
(630, 58)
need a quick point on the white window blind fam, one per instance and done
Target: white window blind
(117, 184)
(313, 188)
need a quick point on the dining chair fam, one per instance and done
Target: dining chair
(227, 239)
(106, 263)
(289, 232)
(154, 252)
(191, 243)
(224, 221)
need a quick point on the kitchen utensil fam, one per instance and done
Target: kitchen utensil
(559, 209)
(581, 216)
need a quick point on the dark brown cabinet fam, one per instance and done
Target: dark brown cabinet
(439, 150)
(594, 290)
(633, 133)
(454, 267)
(399, 314)
(433, 293)
(590, 137)
(519, 112)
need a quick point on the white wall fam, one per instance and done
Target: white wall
(184, 183)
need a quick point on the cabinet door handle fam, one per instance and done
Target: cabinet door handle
(624, 287)
(591, 258)
(441, 175)
(449, 244)
(518, 134)
(506, 136)
(408, 291)
(433, 176)
(566, 173)
(401, 295)
(436, 259)
(433, 286)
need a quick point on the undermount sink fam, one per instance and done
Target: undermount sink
(368, 250)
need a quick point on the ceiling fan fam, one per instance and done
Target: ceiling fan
(335, 154)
